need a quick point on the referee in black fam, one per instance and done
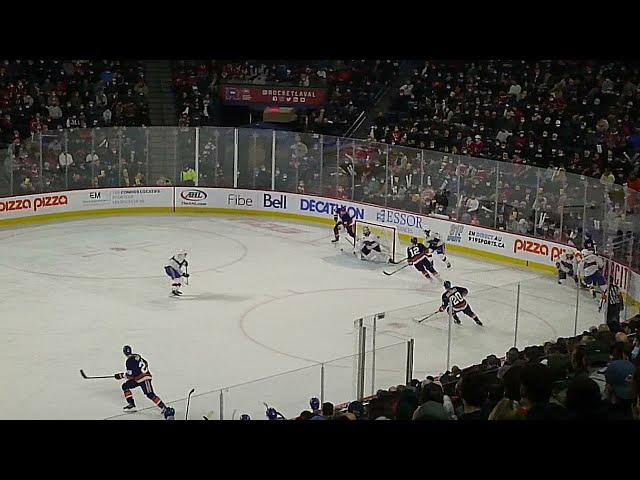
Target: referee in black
(615, 304)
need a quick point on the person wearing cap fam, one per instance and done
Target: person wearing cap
(618, 389)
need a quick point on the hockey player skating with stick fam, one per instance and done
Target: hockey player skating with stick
(343, 219)
(175, 271)
(418, 256)
(453, 297)
(138, 375)
(436, 245)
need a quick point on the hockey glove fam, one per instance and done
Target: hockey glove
(119, 376)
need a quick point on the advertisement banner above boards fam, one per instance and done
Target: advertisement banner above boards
(522, 250)
(297, 97)
(73, 202)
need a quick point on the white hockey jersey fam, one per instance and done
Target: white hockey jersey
(567, 264)
(371, 241)
(591, 263)
(178, 261)
(433, 240)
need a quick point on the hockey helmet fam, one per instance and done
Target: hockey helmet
(314, 403)
(414, 241)
(447, 284)
(127, 350)
(244, 416)
(366, 231)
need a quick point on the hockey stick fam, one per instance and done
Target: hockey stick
(400, 261)
(186, 414)
(84, 375)
(186, 270)
(233, 415)
(428, 316)
(396, 270)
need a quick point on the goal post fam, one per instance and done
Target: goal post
(388, 236)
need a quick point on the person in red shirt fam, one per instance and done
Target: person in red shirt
(632, 192)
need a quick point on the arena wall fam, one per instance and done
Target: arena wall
(468, 239)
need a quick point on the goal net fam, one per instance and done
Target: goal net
(387, 237)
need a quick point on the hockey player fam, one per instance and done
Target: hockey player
(175, 272)
(454, 298)
(342, 218)
(591, 267)
(138, 375)
(566, 265)
(368, 243)
(435, 244)
(418, 256)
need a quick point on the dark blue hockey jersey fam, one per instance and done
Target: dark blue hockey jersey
(137, 368)
(417, 252)
(455, 296)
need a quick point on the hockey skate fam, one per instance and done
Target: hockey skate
(129, 407)
(335, 240)
(478, 322)
(448, 265)
(176, 293)
(457, 320)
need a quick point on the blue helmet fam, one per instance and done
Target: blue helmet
(414, 241)
(244, 416)
(314, 403)
(272, 413)
(447, 284)
(127, 350)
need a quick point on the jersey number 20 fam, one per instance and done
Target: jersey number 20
(457, 298)
(144, 368)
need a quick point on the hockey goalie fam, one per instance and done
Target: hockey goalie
(368, 247)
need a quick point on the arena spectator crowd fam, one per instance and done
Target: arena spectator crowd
(62, 100)
(593, 376)
(352, 86)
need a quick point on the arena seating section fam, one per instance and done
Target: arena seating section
(352, 86)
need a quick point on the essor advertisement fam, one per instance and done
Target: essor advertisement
(297, 97)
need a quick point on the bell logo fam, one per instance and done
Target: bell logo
(278, 201)
(193, 195)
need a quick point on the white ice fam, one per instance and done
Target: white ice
(266, 296)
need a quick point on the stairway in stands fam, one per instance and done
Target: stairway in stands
(162, 113)
(383, 103)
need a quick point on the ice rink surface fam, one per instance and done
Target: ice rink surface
(266, 296)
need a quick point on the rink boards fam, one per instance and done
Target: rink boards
(492, 244)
